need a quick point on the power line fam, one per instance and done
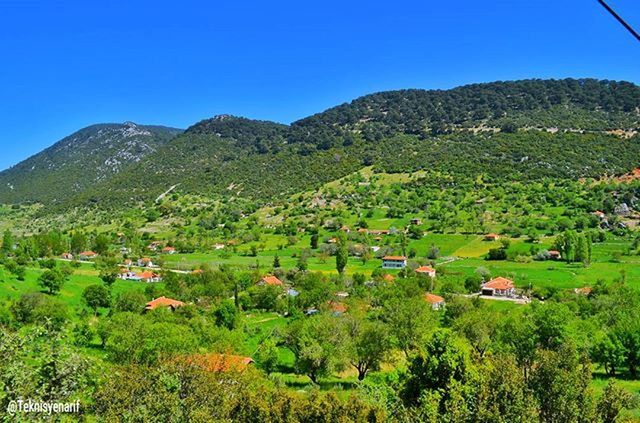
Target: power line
(619, 19)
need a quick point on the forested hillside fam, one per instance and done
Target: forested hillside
(81, 160)
(513, 130)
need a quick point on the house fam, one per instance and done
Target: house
(145, 262)
(67, 256)
(388, 278)
(128, 263)
(379, 231)
(311, 311)
(292, 292)
(600, 215)
(337, 308)
(148, 276)
(332, 240)
(427, 271)
(375, 248)
(219, 362)
(342, 294)
(87, 255)
(491, 237)
(416, 221)
(394, 262)
(218, 246)
(499, 287)
(436, 301)
(345, 229)
(128, 275)
(585, 290)
(124, 250)
(168, 250)
(163, 302)
(554, 255)
(154, 246)
(197, 272)
(363, 231)
(270, 280)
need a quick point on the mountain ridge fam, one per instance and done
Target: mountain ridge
(236, 156)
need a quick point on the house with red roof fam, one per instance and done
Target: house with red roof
(436, 301)
(148, 276)
(554, 255)
(67, 256)
(337, 308)
(491, 237)
(145, 262)
(270, 280)
(394, 262)
(168, 250)
(163, 302)
(87, 255)
(499, 287)
(426, 271)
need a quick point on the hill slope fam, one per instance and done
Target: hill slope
(498, 129)
(88, 157)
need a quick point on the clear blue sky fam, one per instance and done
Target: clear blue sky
(69, 64)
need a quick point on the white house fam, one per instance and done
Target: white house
(427, 271)
(499, 287)
(436, 301)
(394, 262)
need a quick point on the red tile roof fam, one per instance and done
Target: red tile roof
(88, 253)
(163, 302)
(337, 307)
(389, 278)
(499, 283)
(425, 269)
(586, 290)
(433, 299)
(219, 362)
(394, 258)
(147, 275)
(168, 249)
(271, 280)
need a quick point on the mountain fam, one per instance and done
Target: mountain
(512, 130)
(83, 159)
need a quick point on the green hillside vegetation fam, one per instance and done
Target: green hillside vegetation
(270, 240)
(81, 160)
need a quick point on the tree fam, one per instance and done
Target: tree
(101, 244)
(52, 280)
(267, 355)
(433, 253)
(226, 315)
(561, 384)
(7, 242)
(318, 344)
(409, 320)
(276, 262)
(445, 360)
(96, 296)
(613, 401)
(78, 242)
(342, 254)
(314, 240)
(370, 343)
(609, 352)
